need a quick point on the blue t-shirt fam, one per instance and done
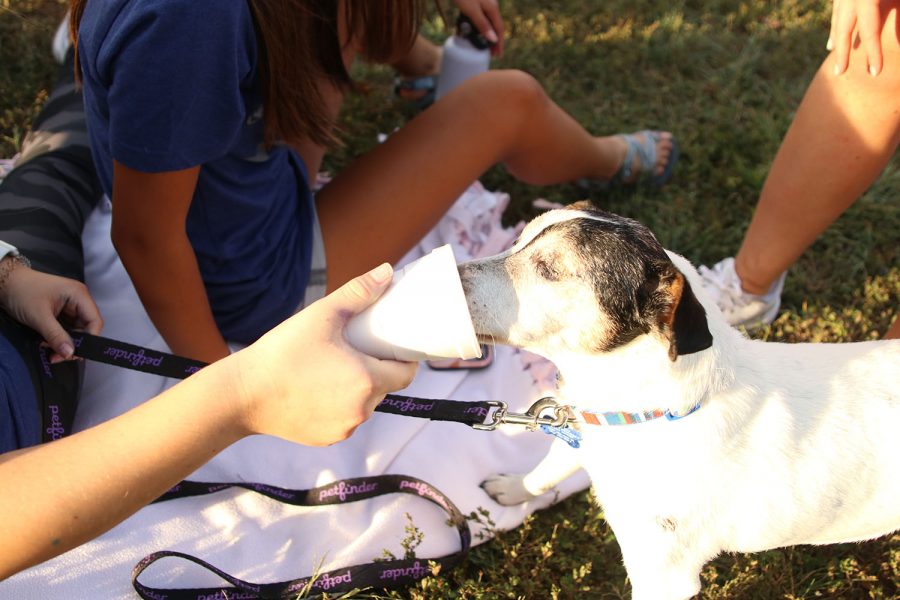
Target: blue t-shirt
(172, 84)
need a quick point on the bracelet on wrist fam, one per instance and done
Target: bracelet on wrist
(10, 263)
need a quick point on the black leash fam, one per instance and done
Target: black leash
(138, 358)
(379, 574)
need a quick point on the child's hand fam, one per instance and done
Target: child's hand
(40, 300)
(304, 382)
(864, 16)
(485, 15)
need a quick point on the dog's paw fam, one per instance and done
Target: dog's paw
(507, 490)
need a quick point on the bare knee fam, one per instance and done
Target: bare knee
(504, 100)
(509, 92)
(509, 104)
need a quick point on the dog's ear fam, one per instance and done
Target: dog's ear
(684, 321)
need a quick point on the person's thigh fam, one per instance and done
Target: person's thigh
(378, 208)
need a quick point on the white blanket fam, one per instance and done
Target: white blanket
(260, 540)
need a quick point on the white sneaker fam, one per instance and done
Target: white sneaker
(739, 307)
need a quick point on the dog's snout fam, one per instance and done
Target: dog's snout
(466, 268)
(479, 288)
(467, 273)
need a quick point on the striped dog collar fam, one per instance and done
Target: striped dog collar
(572, 436)
(627, 418)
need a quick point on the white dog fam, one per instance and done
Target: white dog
(756, 445)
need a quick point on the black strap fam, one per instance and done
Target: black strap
(57, 387)
(386, 574)
(130, 356)
(138, 358)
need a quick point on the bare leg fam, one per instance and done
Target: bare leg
(845, 131)
(893, 332)
(383, 204)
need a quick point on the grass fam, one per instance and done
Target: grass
(725, 76)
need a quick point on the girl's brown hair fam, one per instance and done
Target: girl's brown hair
(300, 49)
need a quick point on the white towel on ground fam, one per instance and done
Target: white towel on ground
(260, 540)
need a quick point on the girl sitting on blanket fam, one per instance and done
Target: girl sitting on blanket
(207, 122)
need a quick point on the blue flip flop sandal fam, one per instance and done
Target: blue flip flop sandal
(643, 145)
(427, 85)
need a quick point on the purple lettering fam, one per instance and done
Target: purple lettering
(266, 489)
(416, 571)
(137, 359)
(425, 491)
(408, 405)
(342, 490)
(56, 430)
(45, 364)
(326, 582)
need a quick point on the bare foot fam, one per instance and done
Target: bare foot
(664, 145)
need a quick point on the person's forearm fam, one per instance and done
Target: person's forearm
(168, 281)
(148, 230)
(62, 494)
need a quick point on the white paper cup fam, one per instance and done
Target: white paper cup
(423, 315)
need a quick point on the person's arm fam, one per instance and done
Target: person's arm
(148, 231)
(301, 381)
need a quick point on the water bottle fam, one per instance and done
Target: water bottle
(466, 53)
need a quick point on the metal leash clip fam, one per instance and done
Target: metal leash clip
(531, 419)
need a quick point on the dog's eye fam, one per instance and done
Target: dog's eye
(546, 269)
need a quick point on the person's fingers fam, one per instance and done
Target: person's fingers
(390, 375)
(492, 10)
(53, 333)
(845, 22)
(869, 20)
(358, 293)
(832, 32)
(83, 313)
(396, 375)
(88, 318)
(484, 26)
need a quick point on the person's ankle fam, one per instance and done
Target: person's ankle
(749, 284)
(613, 151)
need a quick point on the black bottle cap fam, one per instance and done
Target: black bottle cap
(466, 29)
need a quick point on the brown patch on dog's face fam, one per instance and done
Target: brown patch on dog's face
(584, 205)
(667, 315)
(580, 281)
